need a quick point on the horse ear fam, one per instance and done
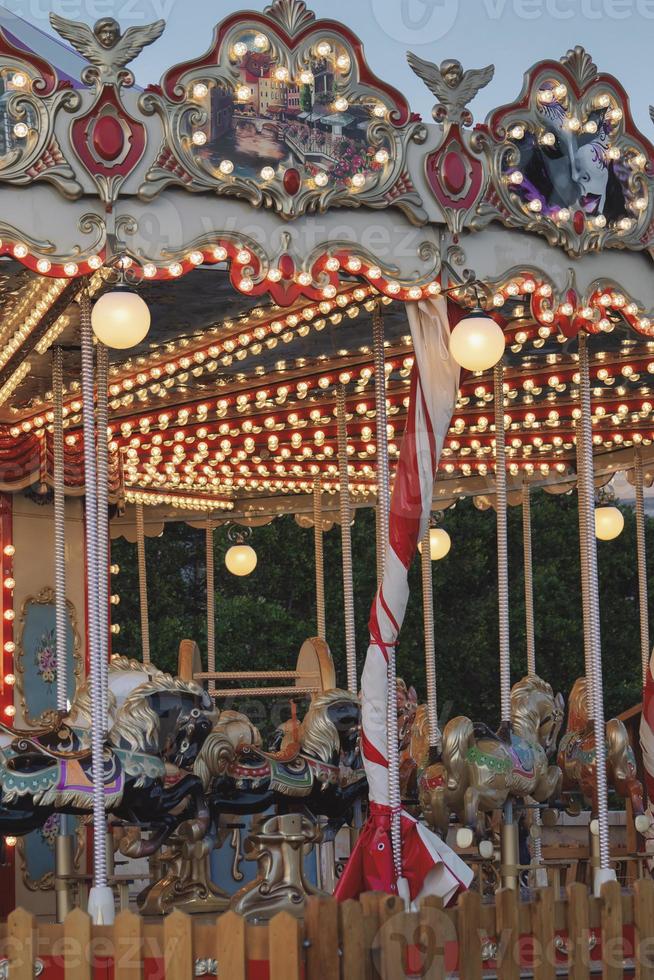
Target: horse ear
(560, 701)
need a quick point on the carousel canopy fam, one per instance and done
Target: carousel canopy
(264, 244)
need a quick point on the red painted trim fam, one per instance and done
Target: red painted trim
(7, 870)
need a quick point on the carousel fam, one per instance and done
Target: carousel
(264, 286)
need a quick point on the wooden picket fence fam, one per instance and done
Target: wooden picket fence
(573, 935)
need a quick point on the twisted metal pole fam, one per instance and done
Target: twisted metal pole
(211, 603)
(590, 578)
(530, 631)
(143, 584)
(430, 644)
(641, 557)
(101, 904)
(346, 540)
(102, 367)
(383, 515)
(502, 543)
(583, 538)
(319, 558)
(61, 617)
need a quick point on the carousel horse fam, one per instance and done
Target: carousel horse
(149, 751)
(317, 772)
(578, 758)
(415, 752)
(479, 770)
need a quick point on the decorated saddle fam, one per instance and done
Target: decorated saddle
(290, 773)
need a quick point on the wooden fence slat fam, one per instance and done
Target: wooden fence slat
(178, 945)
(77, 943)
(321, 938)
(128, 947)
(435, 930)
(352, 940)
(21, 945)
(508, 934)
(231, 949)
(469, 936)
(370, 906)
(644, 931)
(612, 952)
(395, 929)
(578, 931)
(284, 947)
(543, 930)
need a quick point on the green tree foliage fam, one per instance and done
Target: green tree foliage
(262, 620)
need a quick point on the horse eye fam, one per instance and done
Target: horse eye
(184, 746)
(195, 713)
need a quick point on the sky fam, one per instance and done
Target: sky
(512, 34)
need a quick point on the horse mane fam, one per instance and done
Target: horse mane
(525, 716)
(119, 662)
(578, 705)
(232, 730)
(80, 709)
(136, 723)
(318, 734)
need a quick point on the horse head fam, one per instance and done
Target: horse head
(578, 714)
(330, 728)
(536, 713)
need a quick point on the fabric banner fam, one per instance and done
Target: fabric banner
(429, 865)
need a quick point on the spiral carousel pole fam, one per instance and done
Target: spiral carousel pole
(346, 540)
(143, 584)
(211, 603)
(102, 356)
(101, 901)
(383, 512)
(641, 555)
(319, 558)
(530, 635)
(430, 644)
(590, 590)
(509, 834)
(64, 841)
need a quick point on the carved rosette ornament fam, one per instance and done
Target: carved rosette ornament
(567, 162)
(284, 112)
(107, 139)
(454, 171)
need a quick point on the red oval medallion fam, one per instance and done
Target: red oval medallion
(286, 266)
(108, 137)
(454, 172)
(292, 181)
(579, 222)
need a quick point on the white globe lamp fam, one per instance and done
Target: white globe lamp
(241, 559)
(120, 318)
(477, 342)
(439, 543)
(609, 523)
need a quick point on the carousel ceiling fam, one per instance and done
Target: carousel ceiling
(271, 197)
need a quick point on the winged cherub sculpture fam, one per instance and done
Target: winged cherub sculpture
(106, 48)
(453, 87)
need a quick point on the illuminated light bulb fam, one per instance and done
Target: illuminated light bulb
(599, 221)
(439, 543)
(120, 318)
(624, 224)
(43, 266)
(199, 137)
(246, 285)
(9, 582)
(640, 204)
(477, 342)
(94, 262)
(282, 73)
(382, 156)
(9, 550)
(324, 49)
(200, 90)
(321, 179)
(609, 523)
(260, 42)
(11, 841)
(240, 49)
(267, 173)
(243, 256)
(343, 62)
(19, 80)
(354, 263)
(226, 167)
(10, 679)
(379, 110)
(274, 275)
(305, 279)
(415, 292)
(241, 559)
(535, 205)
(358, 180)
(547, 139)
(20, 250)
(341, 104)
(517, 132)
(196, 258)
(306, 77)
(393, 287)
(516, 177)
(21, 130)
(563, 214)
(220, 253)
(149, 270)
(560, 91)
(10, 711)
(333, 264)
(613, 152)
(545, 95)
(590, 126)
